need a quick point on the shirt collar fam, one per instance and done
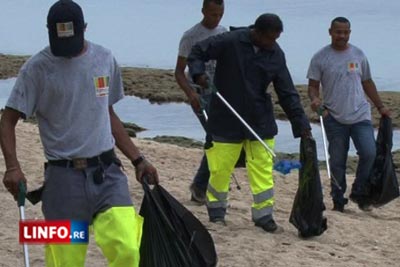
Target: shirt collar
(245, 38)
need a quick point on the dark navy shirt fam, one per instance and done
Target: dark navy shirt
(242, 76)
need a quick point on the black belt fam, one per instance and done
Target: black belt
(106, 158)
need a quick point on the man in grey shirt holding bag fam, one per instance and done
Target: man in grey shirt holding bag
(343, 71)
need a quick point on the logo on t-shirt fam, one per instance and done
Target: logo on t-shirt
(101, 84)
(353, 67)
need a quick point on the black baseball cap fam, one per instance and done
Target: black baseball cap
(66, 26)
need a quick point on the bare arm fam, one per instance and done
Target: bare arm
(129, 149)
(370, 90)
(183, 83)
(313, 94)
(13, 174)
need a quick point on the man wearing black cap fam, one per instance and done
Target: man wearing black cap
(71, 86)
(248, 60)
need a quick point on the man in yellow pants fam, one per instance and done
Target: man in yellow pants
(248, 60)
(71, 86)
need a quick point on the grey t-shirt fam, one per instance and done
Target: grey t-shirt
(341, 74)
(71, 99)
(194, 35)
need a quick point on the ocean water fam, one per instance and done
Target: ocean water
(177, 119)
(146, 33)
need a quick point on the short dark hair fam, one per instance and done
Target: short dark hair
(340, 20)
(268, 22)
(218, 2)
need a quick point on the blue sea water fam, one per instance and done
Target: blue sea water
(177, 119)
(146, 33)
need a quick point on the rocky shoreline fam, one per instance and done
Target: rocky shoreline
(159, 86)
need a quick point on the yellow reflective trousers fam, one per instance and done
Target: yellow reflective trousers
(222, 158)
(117, 231)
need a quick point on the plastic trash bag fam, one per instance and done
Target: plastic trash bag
(172, 235)
(384, 186)
(308, 206)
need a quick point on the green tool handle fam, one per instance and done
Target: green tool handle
(21, 194)
(321, 110)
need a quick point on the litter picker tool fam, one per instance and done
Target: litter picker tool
(270, 150)
(21, 206)
(328, 168)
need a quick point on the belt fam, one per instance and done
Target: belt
(106, 158)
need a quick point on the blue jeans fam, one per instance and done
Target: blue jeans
(362, 135)
(203, 174)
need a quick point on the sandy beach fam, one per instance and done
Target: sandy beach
(353, 238)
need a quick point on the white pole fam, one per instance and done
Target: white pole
(25, 246)
(245, 124)
(328, 168)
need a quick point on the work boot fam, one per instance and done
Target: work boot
(198, 195)
(270, 226)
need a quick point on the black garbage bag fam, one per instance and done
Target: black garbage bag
(172, 235)
(384, 186)
(308, 206)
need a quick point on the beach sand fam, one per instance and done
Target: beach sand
(353, 238)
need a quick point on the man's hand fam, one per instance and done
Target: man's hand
(202, 80)
(194, 100)
(384, 111)
(316, 104)
(306, 133)
(11, 180)
(145, 169)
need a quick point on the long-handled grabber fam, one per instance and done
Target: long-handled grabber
(214, 90)
(21, 206)
(328, 168)
(270, 150)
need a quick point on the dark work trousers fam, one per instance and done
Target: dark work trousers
(203, 174)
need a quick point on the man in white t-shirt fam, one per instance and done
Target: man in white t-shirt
(343, 71)
(71, 87)
(213, 11)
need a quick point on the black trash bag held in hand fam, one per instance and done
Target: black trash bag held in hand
(384, 186)
(308, 206)
(172, 235)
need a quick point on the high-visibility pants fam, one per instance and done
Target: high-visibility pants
(117, 231)
(222, 158)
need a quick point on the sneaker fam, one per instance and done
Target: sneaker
(361, 202)
(338, 207)
(218, 220)
(198, 195)
(364, 207)
(270, 226)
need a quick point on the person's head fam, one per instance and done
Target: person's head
(267, 28)
(66, 27)
(340, 33)
(212, 10)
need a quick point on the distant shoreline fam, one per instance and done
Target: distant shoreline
(159, 86)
